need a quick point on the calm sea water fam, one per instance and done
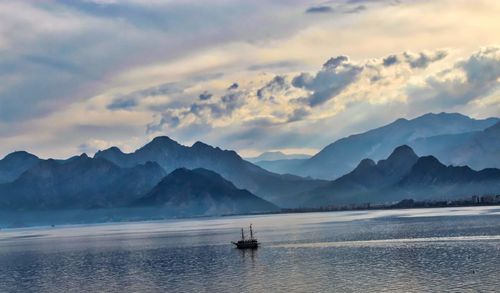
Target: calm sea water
(424, 250)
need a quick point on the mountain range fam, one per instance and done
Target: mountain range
(401, 176)
(201, 191)
(114, 179)
(81, 182)
(90, 183)
(171, 155)
(451, 137)
(476, 149)
(202, 180)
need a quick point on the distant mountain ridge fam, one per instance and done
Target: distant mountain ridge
(404, 175)
(81, 182)
(275, 156)
(477, 149)
(14, 164)
(218, 181)
(171, 155)
(342, 156)
(201, 192)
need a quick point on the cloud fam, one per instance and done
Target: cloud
(166, 118)
(66, 62)
(471, 79)
(205, 96)
(357, 9)
(338, 8)
(122, 104)
(298, 114)
(273, 65)
(66, 52)
(276, 86)
(390, 60)
(233, 86)
(336, 75)
(423, 59)
(279, 102)
(133, 99)
(200, 112)
(319, 9)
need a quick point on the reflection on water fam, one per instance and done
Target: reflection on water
(434, 250)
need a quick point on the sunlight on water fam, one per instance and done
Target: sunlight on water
(456, 249)
(389, 242)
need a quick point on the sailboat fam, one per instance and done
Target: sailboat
(247, 243)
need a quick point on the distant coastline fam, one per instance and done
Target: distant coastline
(487, 200)
(83, 217)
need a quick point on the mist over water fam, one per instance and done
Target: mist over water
(433, 250)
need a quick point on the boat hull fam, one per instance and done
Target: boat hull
(246, 244)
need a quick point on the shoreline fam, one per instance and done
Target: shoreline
(46, 223)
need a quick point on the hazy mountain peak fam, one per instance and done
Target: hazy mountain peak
(161, 141)
(493, 129)
(201, 191)
(201, 145)
(16, 163)
(392, 180)
(18, 155)
(442, 115)
(114, 149)
(400, 120)
(162, 138)
(379, 143)
(428, 163)
(366, 163)
(403, 152)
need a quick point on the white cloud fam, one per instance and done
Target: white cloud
(89, 72)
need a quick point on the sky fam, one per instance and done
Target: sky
(253, 76)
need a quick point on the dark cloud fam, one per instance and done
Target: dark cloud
(167, 118)
(319, 9)
(203, 110)
(390, 60)
(131, 100)
(298, 114)
(337, 73)
(232, 102)
(334, 62)
(233, 86)
(302, 80)
(423, 59)
(390, 2)
(163, 89)
(122, 104)
(205, 96)
(277, 85)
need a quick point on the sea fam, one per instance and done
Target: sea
(413, 250)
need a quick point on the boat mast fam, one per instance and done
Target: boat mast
(251, 232)
(242, 234)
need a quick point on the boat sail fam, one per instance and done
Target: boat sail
(247, 243)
